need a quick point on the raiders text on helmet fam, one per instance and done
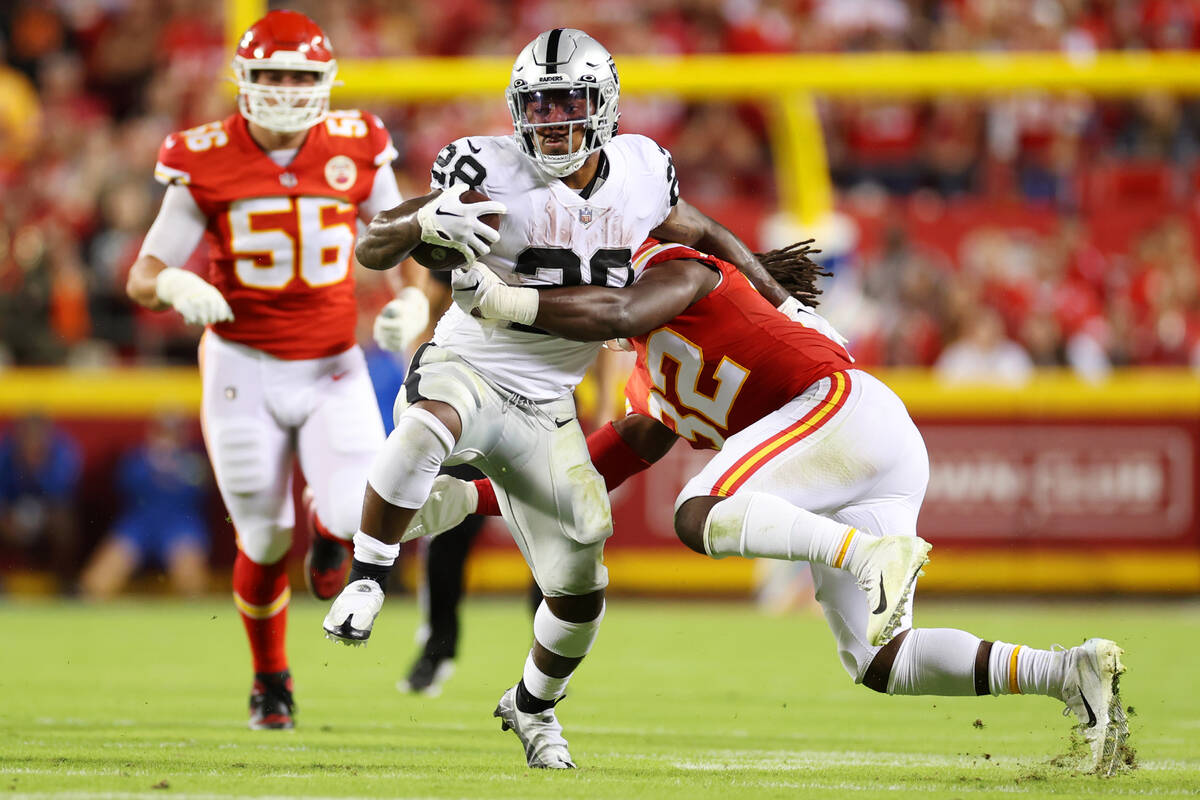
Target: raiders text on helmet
(564, 64)
(284, 40)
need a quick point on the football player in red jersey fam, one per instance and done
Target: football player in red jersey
(817, 461)
(277, 191)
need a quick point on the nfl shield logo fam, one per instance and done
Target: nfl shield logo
(585, 215)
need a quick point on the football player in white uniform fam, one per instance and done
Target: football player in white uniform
(577, 200)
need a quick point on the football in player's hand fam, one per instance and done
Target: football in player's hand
(433, 256)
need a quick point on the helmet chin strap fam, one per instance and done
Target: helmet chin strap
(562, 170)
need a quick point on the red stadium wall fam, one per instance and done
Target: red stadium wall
(1058, 486)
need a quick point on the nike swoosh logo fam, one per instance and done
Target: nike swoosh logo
(337, 376)
(441, 213)
(882, 597)
(562, 423)
(474, 149)
(1091, 714)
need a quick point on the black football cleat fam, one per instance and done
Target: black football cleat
(427, 675)
(326, 567)
(328, 560)
(271, 703)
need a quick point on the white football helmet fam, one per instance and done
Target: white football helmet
(567, 69)
(284, 40)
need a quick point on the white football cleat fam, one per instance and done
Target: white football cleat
(353, 613)
(1090, 691)
(889, 571)
(540, 733)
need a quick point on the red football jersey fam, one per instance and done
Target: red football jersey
(281, 239)
(727, 361)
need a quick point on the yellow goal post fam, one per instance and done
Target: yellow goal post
(786, 84)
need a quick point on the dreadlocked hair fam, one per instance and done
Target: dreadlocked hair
(792, 268)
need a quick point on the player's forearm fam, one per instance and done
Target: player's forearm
(722, 243)
(596, 314)
(142, 283)
(687, 225)
(391, 235)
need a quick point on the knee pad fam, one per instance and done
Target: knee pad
(935, 661)
(404, 470)
(266, 544)
(724, 526)
(590, 509)
(567, 639)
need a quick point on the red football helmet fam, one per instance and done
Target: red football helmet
(284, 40)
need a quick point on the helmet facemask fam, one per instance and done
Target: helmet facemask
(581, 111)
(284, 109)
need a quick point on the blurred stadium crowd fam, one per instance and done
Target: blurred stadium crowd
(977, 235)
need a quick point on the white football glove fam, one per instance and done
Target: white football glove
(480, 289)
(402, 320)
(197, 300)
(796, 311)
(468, 283)
(449, 222)
(450, 502)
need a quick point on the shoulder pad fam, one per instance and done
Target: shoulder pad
(654, 252)
(653, 157)
(467, 160)
(180, 151)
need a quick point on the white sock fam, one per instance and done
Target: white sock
(1017, 669)
(370, 550)
(938, 661)
(541, 685)
(759, 525)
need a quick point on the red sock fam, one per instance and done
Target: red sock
(261, 594)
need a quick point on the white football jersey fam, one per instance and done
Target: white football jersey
(552, 236)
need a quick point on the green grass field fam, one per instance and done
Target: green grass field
(678, 700)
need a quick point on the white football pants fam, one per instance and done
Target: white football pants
(845, 449)
(259, 412)
(553, 499)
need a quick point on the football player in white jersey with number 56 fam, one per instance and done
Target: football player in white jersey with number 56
(577, 201)
(277, 191)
